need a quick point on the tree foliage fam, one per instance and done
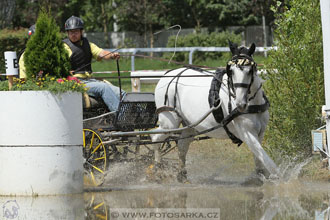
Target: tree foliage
(7, 8)
(26, 11)
(142, 16)
(45, 51)
(98, 18)
(133, 15)
(215, 39)
(233, 12)
(295, 84)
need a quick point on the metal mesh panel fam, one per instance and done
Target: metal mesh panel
(97, 115)
(136, 111)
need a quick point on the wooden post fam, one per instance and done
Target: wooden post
(10, 81)
(136, 84)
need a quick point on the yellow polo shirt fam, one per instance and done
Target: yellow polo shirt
(21, 66)
(95, 53)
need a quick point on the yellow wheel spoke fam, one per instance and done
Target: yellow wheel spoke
(100, 158)
(84, 141)
(101, 216)
(98, 146)
(92, 140)
(98, 169)
(99, 205)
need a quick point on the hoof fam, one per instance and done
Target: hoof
(263, 172)
(254, 180)
(182, 176)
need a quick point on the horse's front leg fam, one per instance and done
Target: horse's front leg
(166, 120)
(183, 146)
(156, 147)
(263, 161)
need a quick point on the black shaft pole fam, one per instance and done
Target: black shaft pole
(119, 78)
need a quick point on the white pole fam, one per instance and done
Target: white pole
(325, 16)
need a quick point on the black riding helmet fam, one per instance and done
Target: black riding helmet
(32, 29)
(74, 23)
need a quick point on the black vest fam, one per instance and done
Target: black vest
(81, 56)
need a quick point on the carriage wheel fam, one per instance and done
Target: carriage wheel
(95, 156)
(96, 208)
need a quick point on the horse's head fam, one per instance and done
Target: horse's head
(241, 70)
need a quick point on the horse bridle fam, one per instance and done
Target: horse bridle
(241, 60)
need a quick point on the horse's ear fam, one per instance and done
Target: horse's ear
(233, 47)
(252, 49)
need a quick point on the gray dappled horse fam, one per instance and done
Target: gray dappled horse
(240, 99)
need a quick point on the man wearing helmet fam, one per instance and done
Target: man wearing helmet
(81, 53)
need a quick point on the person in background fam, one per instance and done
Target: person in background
(81, 53)
(21, 72)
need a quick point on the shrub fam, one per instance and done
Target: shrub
(45, 51)
(45, 83)
(11, 40)
(295, 81)
(214, 39)
(46, 61)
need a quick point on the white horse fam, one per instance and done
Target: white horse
(184, 100)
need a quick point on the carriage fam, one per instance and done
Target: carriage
(147, 126)
(116, 136)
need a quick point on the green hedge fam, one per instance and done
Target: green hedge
(296, 87)
(11, 40)
(214, 39)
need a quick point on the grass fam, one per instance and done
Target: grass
(150, 64)
(315, 170)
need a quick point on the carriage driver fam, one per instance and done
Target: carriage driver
(81, 52)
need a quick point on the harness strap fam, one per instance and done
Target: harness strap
(243, 85)
(232, 137)
(252, 97)
(252, 109)
(177, 77)
(168, 86)
(164, 109)
(170, 109)
(258, 108)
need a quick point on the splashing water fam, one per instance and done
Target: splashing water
(206, 165)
